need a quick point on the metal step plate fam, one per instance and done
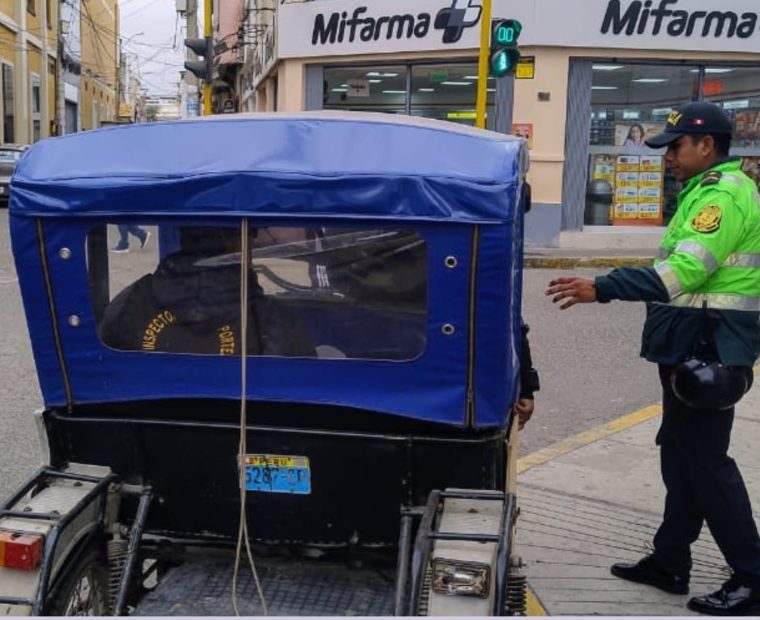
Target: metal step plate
(292, 587)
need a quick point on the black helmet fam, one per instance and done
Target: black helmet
(709, 385)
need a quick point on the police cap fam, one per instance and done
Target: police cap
(699, 117)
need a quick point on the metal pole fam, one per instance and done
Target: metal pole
(191, 82)
(207, 32)
(60, 92)
(485, 42)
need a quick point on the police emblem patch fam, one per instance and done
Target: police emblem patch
(708, 219)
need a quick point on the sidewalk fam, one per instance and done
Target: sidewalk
(597, 499)
(570, 258)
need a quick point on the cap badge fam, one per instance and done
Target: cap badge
(674, 118)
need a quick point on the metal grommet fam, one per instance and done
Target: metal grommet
(448, 329)
(64, 253)
(74, 320)
(451, 262)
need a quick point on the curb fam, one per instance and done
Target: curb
(565, 262)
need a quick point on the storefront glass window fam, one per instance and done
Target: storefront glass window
(441, 91)
(448, 92)
(628, 182)
(312, 292)
(737, 89)
(366, 89)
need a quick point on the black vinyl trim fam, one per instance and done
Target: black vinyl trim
(53, 314)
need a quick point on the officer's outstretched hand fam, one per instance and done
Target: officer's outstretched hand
(571, 291)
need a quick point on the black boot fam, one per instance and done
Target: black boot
(735, 598)
(648, 572)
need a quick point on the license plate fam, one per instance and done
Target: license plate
(274, 473)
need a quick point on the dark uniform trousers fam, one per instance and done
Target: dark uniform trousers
(702, 484)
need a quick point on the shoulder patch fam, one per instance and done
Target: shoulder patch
(708, 219)
(712, 178)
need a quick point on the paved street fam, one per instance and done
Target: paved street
(588, 359)
(19, 390)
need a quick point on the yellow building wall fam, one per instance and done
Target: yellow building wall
(33, 20)
(52, 16)
(7, 45)
(8, 8)
(100, 26)
(34, 55)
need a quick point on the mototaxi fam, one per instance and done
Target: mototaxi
(308, 371)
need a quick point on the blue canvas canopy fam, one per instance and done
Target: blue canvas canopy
(320, 165)
(359, 169)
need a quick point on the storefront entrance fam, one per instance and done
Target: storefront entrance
(627, 183)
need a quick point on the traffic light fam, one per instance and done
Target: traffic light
(504, 53)
(203, 68)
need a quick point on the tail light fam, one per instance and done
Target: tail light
(20, 550)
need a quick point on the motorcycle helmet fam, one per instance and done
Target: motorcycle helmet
(709, 384)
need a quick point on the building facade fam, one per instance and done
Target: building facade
(162, 108)
(28, 34)
(99, 61)
(600, 76)
(229, 35)
(72, 65)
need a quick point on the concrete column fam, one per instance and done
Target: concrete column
(22, 110)
(291, 77)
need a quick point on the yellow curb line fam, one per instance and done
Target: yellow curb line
(533, 605)
(540, 457)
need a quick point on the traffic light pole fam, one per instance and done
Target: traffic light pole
(207, 32)
(485, 42)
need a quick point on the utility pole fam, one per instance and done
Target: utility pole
(192, 33)
(207, 32)
(60, 92)
(485, 41)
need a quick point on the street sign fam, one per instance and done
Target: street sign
(357, 88)
(526, 68)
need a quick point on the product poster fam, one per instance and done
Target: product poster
(632, 135)
(604, 168)
(524, 130)
(638, 190)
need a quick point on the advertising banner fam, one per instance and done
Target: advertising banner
(348, 27)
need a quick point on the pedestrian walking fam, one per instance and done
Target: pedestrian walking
(702, 330)
(130, 229)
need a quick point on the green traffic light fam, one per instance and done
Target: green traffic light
(504, 53)
(504, 62)
(505, 35)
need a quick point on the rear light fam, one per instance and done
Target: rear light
(20, 550)
(460, 578)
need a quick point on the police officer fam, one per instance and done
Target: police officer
(191, 304)
(708, 265)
